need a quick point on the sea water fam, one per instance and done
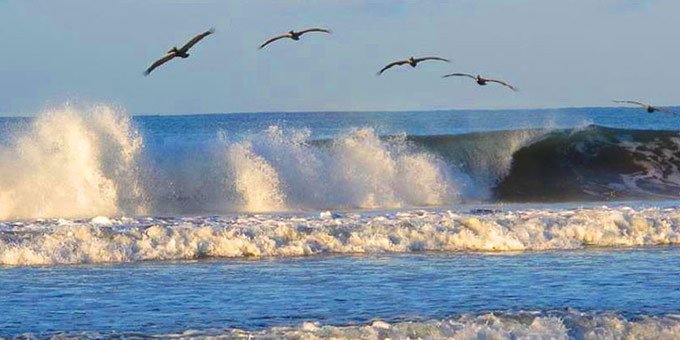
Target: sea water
(548, 223)
(569, 293)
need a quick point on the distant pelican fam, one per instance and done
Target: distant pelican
(410, 61)
(481, 81)
(179, 52)
(647, 107)
(294, 35)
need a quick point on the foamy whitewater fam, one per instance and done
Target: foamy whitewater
(448, 224)
(127, 240)
(85, 162)
(554, 325)
(71, 163)
(487, 326)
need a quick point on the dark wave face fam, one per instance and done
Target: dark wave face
(588, 164)
(596, 163)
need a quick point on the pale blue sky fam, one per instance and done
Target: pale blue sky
(560, 53)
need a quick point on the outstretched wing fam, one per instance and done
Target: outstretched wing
(160, 62)
(323, 30)
(502, 83)
(431, 58)
(273, 40)
(196, 39)
(666, 110)
(390, 65)
(459, 75)
(630, 102)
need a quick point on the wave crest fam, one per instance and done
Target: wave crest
(278, 170)
(71, 162)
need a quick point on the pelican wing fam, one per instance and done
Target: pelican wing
(274, 39)
(390, 65)
(502, 83)
(459, 75)
(666, 110)
(196, 39)
(431, 58)
(323, 30)
(160, 62)
(630, 102)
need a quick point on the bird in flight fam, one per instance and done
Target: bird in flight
(410, 61)
(294, 35)
(647, 107)
(178, 52)
(480, 80)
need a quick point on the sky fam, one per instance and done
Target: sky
(559, 53)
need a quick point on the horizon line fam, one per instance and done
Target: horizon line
(12, 115)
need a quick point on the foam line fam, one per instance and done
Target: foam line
(148, 239)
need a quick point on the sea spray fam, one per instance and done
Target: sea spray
(72, 162)
(277, 170)
(285, 170)
(485, 157)
(374, 173)
(254, 180)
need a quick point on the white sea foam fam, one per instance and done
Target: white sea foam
(524, 325)
(254, 180)
(487, 326)
(144, 239)
(72, 162)
(276, 170)
(86, 162)
(661, 163)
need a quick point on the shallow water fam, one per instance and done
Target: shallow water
(165, 297)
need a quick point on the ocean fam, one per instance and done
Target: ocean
(551, 223)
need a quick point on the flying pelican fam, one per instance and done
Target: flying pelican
(647, 107)
(294, 35)
(179, 52)
(411, 61)
(481, 81)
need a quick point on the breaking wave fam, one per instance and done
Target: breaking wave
(275, 170)
(143, 239)
(595, 163)
(499, 325)
(74, 162)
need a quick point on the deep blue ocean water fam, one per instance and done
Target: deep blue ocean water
(331, 124)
